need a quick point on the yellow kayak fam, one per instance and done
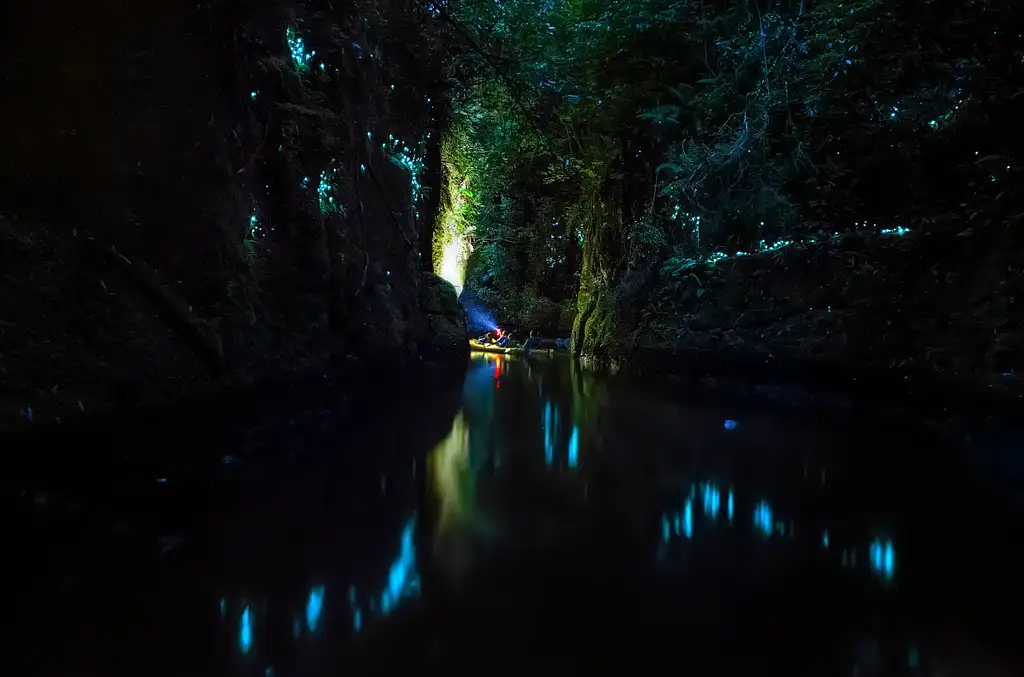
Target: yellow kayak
(478, 347)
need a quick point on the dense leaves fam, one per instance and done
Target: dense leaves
(606, 136)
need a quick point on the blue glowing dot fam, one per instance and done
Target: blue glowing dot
(666, 529)
(574, 447)
(162, 480)
(223, 607)
(730, 424)
(357, 620)
(824, 538)
(730, 506)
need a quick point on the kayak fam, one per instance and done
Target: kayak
(478, 347)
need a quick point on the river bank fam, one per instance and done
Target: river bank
(858, 311)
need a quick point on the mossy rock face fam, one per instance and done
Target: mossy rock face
(445, 334)
(865, 303)
(200, 169)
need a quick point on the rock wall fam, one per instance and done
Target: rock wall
(215, 192)
(938, 308)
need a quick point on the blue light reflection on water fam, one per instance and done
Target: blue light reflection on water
(550, 426)
(574, 447)
(883, 558)
(763, 518)
(245, 631)
(403, 579)
(314, 606)
(712, 500)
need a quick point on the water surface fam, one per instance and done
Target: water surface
(539, 519)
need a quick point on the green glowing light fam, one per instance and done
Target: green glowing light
(325, 192)
(297, 47)
(255, 229)
(253, 95)
(716, 257)
(400, 154)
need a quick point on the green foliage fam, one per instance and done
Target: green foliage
(707, 130)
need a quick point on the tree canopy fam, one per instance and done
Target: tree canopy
(594, 138)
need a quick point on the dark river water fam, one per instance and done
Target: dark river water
(533, 519)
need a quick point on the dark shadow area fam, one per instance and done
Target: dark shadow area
(540, 519)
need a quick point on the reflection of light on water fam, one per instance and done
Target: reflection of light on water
(824, 538)
(763, 518)
(403, 579)
(550, 432)
(712, 500)
(574, 447)
(883, 558)
(730, 505)
(245, 631)
(357, 620)
(223, 607)
(688, 518)
(451, 475)
(314, 605)
(666, 529)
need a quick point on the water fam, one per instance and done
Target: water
(536, 519)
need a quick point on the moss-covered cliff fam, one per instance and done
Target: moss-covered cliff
(215, 192)
(931, 309)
